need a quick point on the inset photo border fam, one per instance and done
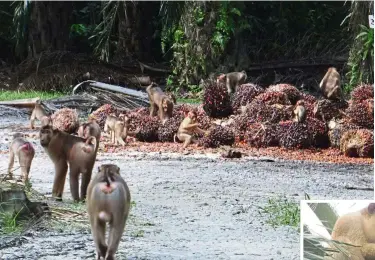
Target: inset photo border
(337, 230)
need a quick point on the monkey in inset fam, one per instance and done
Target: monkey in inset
(25, 152)
(39, 113)
(108, 200)
(299, 112)
(232, 80)
(187, 128)
(357, 229)
(160, 102)
(64, 149)
(331, 85)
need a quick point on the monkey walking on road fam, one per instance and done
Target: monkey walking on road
(108, 200)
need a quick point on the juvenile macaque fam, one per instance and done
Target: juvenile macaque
(187, 128)
(233, 80)
(299, 112)
(91, 128)
(25, 152)
(64, 149)
(331, 85)
(39, 113)
(357, 229)
(108, 200)
(160, 102)
(116, 128)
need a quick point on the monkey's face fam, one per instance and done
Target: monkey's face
(45, 136)
(165, 104)
(192, 116)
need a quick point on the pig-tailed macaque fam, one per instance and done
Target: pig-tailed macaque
(357, 229)
(39, 113)
(331, 85)
(91, 128)
(115, 127)
(108, 200)
(233, 80)
(64, 149)
(25, 152)
(187, 128)
(160, 102)
(299, 112)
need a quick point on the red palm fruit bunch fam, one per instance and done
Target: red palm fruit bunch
(308, 98)
(272, 98)
(318, 132)
(147, 129)
(167, 130)
(216, 100)
(294, 135)
(292, 92)
(309, 101)
(362, 113)
(102, 112)
(358, 143)
(262, 135)
(183, 108)
(259, 111)
(217, 136)
(241, 125)
(244, 95)
(337, 129)
(202, 118)
(65, 120)
(362, 92)
(325, 109)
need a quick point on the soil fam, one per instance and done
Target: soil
(192, 206)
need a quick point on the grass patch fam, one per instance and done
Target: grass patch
(281, 212)
(6, 95)
(189, 100)
(9, 223)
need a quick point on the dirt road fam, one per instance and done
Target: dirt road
(194, 208)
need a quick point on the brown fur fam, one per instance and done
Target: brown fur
(233, 80)
(187, 128)
(160, 102)
(64, 149)
(108, 200)
(357, 229)
(25, 152)
(39, 113)
(115, 127)
(331, 85)
(299, 112)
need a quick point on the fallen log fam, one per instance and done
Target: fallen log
(23, 103)
(143, 81)
(105, 86)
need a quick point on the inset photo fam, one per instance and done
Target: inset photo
(337, 230)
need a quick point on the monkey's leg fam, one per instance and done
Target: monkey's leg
(86, 177)
(119, 139)
(186, 138)
(25, 162)
(61, 168)
(11, 163)
(74, 176)
(333, 91)
(115, 233)
(32, 119)
(98, 233)
(152, 109)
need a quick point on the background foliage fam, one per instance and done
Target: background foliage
(293, 42)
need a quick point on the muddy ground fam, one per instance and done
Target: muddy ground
(189, 207)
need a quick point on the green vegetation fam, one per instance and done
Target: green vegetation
(189, 100)
(281, 212)
(9, 223)
(13, 95)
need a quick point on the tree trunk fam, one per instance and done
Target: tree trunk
(49, 26)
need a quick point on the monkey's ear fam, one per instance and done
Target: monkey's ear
(371, 208)
(118, 169)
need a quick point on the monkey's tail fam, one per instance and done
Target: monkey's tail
(174, 138)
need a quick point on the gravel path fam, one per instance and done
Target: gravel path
(195, 208)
